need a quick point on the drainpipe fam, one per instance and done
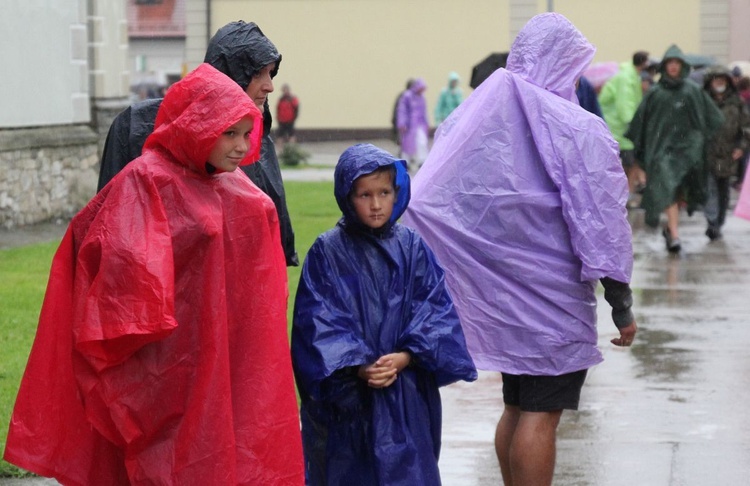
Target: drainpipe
(208, 21)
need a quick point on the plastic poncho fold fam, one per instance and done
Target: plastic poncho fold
(239, 50)
(362, 295)
(159, 358)
(523, 201)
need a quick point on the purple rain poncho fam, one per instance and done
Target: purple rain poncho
(523, 201)
(365, 293)
(411, 114)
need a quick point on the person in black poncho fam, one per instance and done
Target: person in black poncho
(241, 51)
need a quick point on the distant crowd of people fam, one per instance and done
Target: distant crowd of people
(682, 144)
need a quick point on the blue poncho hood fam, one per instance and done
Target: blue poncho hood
(363, 159)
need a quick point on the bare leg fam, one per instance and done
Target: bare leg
(632, 176)
(530, 459)
(504, 432)
(673, 219)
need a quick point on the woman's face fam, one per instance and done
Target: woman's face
(719, 84)
(261, 85)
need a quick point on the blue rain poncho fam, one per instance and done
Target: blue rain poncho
(523, 201)
(363, 294)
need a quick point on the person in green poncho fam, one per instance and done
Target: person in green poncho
(619, 99)
(450, 97)
(669, 133)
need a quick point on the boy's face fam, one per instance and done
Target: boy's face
(260, 85)
(373, 197)
(231, 146)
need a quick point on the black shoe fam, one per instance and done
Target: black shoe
(673, 244)
(713, 232)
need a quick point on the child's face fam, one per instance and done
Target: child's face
(373, 197)
(231, 146)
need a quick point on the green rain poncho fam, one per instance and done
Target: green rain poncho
(619, 99)
(669, 131)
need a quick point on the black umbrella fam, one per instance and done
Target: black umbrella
(487, 66)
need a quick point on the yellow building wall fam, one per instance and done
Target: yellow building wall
(619, 28)
(347, 60)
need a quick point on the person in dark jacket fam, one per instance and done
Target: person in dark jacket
(669, 131)
(586, 95)
(241, 51)
(727, 146)
(375, 334)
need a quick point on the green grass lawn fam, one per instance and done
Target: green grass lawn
(24, 278)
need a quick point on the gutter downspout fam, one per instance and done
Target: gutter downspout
(208, 22)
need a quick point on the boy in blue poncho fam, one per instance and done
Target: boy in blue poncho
(375, 334)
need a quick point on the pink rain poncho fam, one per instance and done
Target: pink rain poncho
(523, 201)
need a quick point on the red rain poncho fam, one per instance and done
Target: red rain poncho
(161, 355)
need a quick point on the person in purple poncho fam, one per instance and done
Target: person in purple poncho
(411, 120)
(375, 334)
(522, 198)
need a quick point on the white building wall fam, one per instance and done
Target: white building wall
(153, 61)
(43, 58)
(739, 27)
(714, 23)
(108, 49)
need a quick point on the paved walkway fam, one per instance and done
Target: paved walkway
(670, 411)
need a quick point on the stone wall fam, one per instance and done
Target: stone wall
(46, 173)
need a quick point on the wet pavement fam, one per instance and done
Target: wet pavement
(670, 411)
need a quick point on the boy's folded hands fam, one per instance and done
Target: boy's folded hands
(383, 372)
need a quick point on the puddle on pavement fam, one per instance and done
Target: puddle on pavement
(657, 357)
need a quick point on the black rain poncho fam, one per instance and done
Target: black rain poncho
(239, 50)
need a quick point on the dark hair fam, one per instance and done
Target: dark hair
(639, 58)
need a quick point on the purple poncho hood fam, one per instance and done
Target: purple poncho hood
(522, 198)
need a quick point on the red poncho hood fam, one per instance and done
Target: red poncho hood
(186, 123)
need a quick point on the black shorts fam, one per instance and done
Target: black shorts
(627, 157)
(543, 393)
(285, 130)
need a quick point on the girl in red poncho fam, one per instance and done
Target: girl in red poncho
(161, 355)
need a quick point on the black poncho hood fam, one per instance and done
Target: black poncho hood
(240, 50)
